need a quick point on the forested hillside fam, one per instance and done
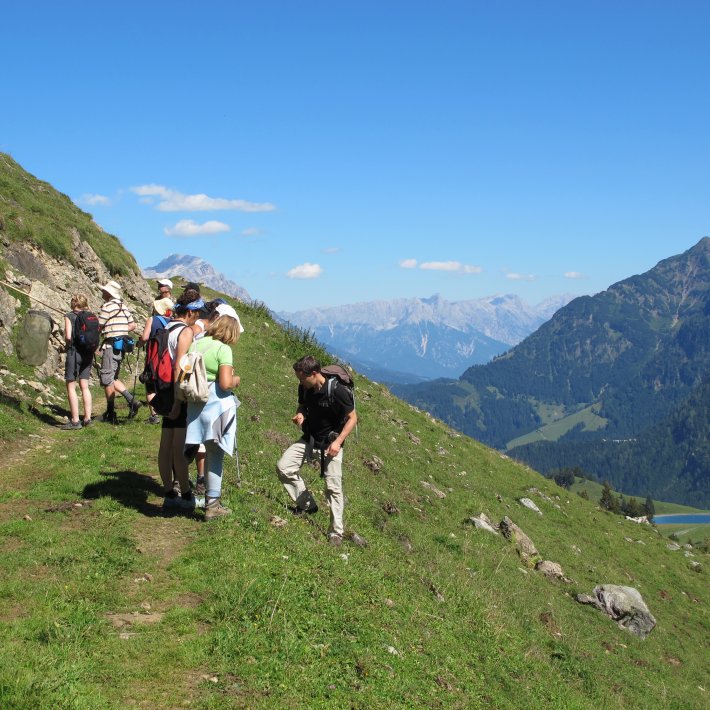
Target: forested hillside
(628, 356)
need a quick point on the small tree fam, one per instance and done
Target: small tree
(608, 500)
(563, 477)
(649, 509)
(633, 508)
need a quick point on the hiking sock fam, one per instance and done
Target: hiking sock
(127, 396)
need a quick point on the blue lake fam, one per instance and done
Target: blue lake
(685, 519)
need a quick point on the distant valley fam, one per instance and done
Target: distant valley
(616, 383)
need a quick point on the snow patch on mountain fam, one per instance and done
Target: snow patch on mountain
(194, 268)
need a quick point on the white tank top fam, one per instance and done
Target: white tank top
(174, 329)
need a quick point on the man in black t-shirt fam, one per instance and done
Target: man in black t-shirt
(326, 414)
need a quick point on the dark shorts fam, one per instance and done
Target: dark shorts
(77, 366)
(180, 422)
(110, 366)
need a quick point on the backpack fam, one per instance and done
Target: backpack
(157, 323)
(193, 385)
(192, 378)
(334, 375)
(158, 370)
(86, 336)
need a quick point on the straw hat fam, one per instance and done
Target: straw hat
(162, 306)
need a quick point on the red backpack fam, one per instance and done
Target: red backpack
(157, 373)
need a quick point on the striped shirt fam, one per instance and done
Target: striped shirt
(115, 319)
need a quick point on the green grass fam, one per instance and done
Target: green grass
(32, 210)
(558, 423)
(247, 615)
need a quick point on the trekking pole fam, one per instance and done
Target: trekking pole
(135, 376)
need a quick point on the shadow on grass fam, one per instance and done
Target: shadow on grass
(131, 489)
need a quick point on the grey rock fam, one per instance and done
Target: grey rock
(623, 604)
(482, 522)
(530, 504)
(433, 489)
(8, 305)
(374, 463)
(524, 545)
(551, 570)
(357, 539)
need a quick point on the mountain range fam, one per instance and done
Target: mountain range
(605, 371)
(193, 268)
(415, 339)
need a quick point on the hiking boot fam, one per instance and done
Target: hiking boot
(87, 422)
(71, 425)
(154, 419)
(215, 509)
(306, 503)
(135, 405)
(200, 489)
(109, 417)
(300, 511)
(335, 540)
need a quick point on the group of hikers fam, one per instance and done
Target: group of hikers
(186, 333)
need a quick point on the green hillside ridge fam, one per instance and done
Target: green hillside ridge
(109, 604)
(33, 211)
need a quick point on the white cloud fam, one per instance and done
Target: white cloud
(89, 199)
(574, 275)
(332, 250)
(305, 271)
(188, 228)
(450, 266)
(174, 201)
(251, 232)
(513, 276)
(408, 263)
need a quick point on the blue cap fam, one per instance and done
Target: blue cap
(198, 305)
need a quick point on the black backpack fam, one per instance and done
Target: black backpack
(336, 374)
(86, 336)
(158, 369)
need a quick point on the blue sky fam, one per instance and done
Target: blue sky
(321, 153)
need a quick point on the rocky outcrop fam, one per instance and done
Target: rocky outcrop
(623, 604)
(50, 282)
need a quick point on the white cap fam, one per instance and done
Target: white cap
(166, 282)
(224, 309)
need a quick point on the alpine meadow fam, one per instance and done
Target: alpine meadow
(458, 586)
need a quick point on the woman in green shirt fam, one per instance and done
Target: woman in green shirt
(214, 423)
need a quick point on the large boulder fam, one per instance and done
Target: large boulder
(623, 604)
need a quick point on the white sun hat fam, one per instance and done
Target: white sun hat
(224, 309)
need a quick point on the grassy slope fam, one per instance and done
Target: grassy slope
(250, 615)
(32, 210)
